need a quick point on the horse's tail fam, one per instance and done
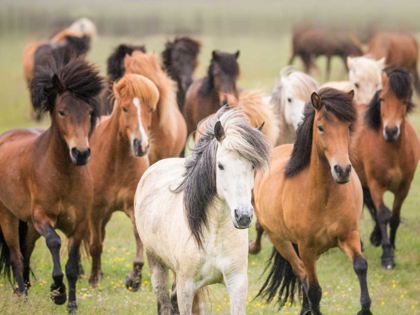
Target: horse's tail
(416, 80)
(5, 263)
(281, 279)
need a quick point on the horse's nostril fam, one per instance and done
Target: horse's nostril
(236, 214)
(337, 169)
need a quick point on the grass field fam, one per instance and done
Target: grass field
(392, 292)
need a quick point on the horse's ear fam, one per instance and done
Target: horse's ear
(58, 87)
(215, 55)
(219, 132)
(350, 62)
(381, 63)
(316, 101)
(237, 54)
(260, 128)
(384, 79)
(351, 93)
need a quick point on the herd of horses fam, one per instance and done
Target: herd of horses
(117, 144)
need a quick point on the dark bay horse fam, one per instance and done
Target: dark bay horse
(120, 144)
(314, 42)
(310, 202)
(45, 184)
(115, 71)
(386, 153)
(180, 61)
(400, 50)
(206, 95)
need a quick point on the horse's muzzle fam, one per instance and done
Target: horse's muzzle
(80, 156)
(243, 216)
(139, 149)
(391, 134)
(341, 173)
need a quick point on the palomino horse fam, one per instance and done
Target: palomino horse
(180, 61)
(168, 131)
(120, 143)
(115, 71)
(365, 78)
(206, 95)
(205, 200)
(45, 185)
(256, 111)
(400, 50)
(310, 201)
(386, 154)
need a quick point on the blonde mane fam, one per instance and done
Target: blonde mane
(147, 65)
(135, 85)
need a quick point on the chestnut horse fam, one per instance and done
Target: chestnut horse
(168, 131)
(206, 95)
(45, 185)
(310, 202)
(180, 61)
(400, 50)
(115, 71)
(120, 143)
(312, 43)
(386, 153)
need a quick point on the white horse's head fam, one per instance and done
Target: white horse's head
(296, 89)
(240, 150)
(83, 26)
(365, 74)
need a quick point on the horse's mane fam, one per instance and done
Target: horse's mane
(199, 183)
(136, 85)
(115, 62)
(228, 64)
(183, 46)
(338, 103)
(148, 65)
(80, 79)
(400, 83)
(257, 112)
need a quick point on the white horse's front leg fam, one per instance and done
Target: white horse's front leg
(185, 290)
(237, 285)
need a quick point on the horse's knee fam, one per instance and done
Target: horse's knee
(383, 215)
(360, 265)
(95, 250)
(53, 242)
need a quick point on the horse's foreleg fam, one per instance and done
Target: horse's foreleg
(352, 248)
(328, 70)
(394, 221)
(185, 292)
(72, 268)
(159, 278)
(133, 280)
(44, 226)
(95, 248)
(237, 285)
(199, 303)
(31, 238)
(255, 246)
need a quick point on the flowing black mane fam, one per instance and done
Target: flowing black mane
(199, 183)
(77, 77)
(335, 102)
(115, 62)
(228, 64)
(399, 81)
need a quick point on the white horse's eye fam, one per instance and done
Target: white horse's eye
(220, 166)
(289, 99)
(356, 85)
(253, 167)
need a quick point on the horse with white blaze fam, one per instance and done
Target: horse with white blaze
(192, 214)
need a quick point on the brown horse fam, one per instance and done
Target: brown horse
(400, 50)
(206, 95)
(180, 61)
(310, 201)
(45, 185)
(168, 131)
(120, 144)
(386, 154)
(115, 71)
(312, 43)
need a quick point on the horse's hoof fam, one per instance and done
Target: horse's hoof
(365, 312)
(253, 248)
(388, 263)
(94, 280)
(58, 294)
(376, 238)
(132, 285)
(72, 307)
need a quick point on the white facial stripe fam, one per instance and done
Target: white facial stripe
(136, 102)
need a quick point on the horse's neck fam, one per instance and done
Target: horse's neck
(219, 217)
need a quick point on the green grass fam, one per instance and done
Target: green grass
(392, 292)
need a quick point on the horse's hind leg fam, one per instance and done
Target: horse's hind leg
(95, 248)
(255, 246)
(292, 58)
(159, 277)
(328, 70)
(351, 247)
(394, 221)
(31, 238)
(133, 280)
(375, 236)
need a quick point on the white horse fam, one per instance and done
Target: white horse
(365, 78)
(192, 214)
(289, 98)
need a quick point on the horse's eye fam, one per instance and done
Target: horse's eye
(125, 110)
(289, 99)
(220, 166)
(61, 113)
(320, 129)
(356, 85)
(150, 111)
(253, 167)
(91, 114)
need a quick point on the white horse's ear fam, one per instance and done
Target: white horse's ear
(350, 63)
(219, 132)
(351, 93)
(381, 63)
(316, 101)
(260, 128)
